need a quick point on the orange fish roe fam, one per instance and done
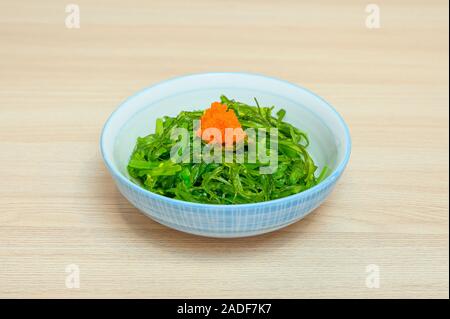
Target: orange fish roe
(217, 116)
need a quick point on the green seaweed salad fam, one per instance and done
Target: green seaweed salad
(151, 165)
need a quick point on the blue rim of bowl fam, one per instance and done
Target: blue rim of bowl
(317, 188)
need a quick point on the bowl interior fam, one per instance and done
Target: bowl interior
(136, 116)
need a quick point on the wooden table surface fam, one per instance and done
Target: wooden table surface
(59, 207)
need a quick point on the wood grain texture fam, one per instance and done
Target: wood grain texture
(58, 205)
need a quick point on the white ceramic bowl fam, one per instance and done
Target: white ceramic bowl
(328, 133)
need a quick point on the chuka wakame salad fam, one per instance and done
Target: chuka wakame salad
(197, 169)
